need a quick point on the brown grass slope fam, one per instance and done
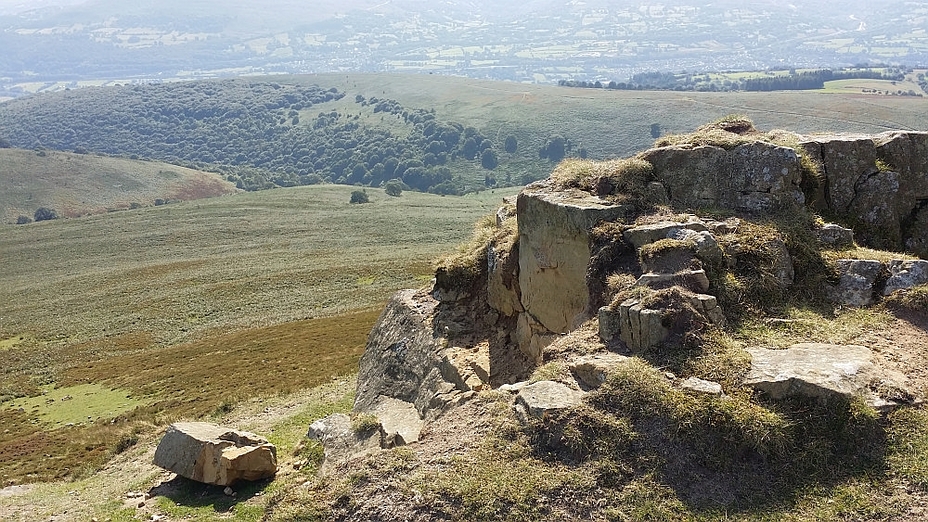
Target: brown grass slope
(79, 184)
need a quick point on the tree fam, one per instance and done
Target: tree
(489, 160)
(394, 187)
(360, 196)
(655, 130)
(45, 214)
(511, 144)
(556, 148)
(470, 148)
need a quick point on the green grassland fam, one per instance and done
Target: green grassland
(78, 184)
(190, 306)
(615, 123)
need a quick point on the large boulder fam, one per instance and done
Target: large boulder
(905, 274)
(215, 455)
(555, 252)
(753, 177)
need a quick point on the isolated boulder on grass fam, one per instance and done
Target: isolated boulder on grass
(215, 455)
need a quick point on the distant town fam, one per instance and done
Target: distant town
(573, 43)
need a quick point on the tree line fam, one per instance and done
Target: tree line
(257, 134)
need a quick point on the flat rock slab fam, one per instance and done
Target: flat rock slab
(544, 397)
(213, 454)
(400, 420)
(592, 370)
(812, 370)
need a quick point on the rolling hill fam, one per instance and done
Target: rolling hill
(79, 184)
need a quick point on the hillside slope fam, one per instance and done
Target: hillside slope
(79, 184)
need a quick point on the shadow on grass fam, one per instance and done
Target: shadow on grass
(192, 494)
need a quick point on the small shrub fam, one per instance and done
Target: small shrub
(45, 214)
(23, 220)
(125, 442)
(394, 187)
(359, 196)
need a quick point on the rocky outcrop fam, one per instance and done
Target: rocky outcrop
(215, 455)
(407, 360)
(591, 370)
(753, 177)
(905, 274)
(877, 183)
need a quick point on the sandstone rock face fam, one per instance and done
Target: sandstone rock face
(215, 455)
(399, 420)
(405, 358)
(503, 293)
(554, 252)
(543, 397)
(814, 370)
(753, 177)
(856, 285)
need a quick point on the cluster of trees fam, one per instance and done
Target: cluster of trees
(252, 132)
(805, 80)
(41, 214)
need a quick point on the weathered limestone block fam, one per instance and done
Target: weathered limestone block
(835, 236)
(753, 177)
(545, 397)
(406, 359)
(610, 324)
(641, 328)
(215, 455)
(708, 306)
(503, 292)
(554, 252)
(646, 234)
(813, 370)
(693, 280)
(705, 246)
(905, 274)
(876, 181)
(856, 284)
(591, 370)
